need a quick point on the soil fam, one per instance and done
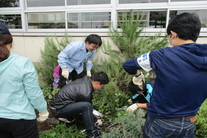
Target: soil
(46, 125)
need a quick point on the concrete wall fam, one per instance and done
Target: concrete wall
(30, 46)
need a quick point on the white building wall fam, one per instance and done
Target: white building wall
(30, 47)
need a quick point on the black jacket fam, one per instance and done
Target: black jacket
(75, 91)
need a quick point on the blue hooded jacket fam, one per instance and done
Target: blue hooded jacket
(180, 85)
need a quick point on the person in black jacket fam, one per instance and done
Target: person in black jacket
(76, 97)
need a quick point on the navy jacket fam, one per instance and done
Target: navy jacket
(180, 85)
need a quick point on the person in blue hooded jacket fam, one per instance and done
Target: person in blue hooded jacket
(19, 91)
(180, 85)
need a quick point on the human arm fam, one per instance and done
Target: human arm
(66, 54)
(135, 106)
(132, 65)
(89, 63)
(32, 88)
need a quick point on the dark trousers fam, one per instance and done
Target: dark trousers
(72, 76)
(21, 128)
(72, 109)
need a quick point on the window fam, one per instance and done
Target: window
(89, 20)
(141, 1)
(46, 20)
(42, 3)
(9, 3)
(87, 2)
(185, 0)
(152, 19)
(12, 21)
(201, 13)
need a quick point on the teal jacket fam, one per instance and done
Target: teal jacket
(19, 89)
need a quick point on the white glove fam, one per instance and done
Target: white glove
(99, 122)
(97, 114)
(129, 100)
(89, 73)
(65, 73)
(139, 80)
(132, 108)
(151, 74)
(43, 116)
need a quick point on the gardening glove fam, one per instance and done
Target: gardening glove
(132, 108)
(129, 100)
(99, 122)
(89, 73)
(43, 116)
(151, 74)
(138, 80)
(65, 73)
(97, 114)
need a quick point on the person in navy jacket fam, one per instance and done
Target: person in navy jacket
(180, 85)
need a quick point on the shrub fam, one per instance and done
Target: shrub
(127, 126)
(201, 123)
(48, 61)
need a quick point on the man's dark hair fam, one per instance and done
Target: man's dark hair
(186, 25)
(100, 77)
(134, 88)
(94, 39)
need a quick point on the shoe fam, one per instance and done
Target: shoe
(66, 120)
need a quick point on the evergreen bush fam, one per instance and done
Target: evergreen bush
(48, 61)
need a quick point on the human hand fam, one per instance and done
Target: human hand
(43, 116)
(89, 73)
(132, 108)
(139, 80)
(65, 73)
(151, 74)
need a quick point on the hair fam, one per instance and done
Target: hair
(100, 77)
(186, 25)
(134, 88)
(5, 39)
(94, 39)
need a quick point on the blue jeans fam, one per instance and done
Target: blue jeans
(163, 128)
(73, 109)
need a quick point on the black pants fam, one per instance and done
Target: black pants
(72, 76)
(21, 128)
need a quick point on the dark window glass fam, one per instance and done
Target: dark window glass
(87, 2)
(141, 1)
(201, 13)
(9, 3)
(46, 20)
(150, 19)
(12, 21)
(44, 3)
(89, 20)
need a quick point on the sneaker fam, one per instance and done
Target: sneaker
(66, 120)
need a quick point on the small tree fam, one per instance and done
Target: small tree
(130, 44)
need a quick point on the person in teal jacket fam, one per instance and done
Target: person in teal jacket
(19, 91)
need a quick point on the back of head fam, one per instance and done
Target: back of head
(94, 38)
(100, 77)
(134, 88)
(5, 39)
(186, 25)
